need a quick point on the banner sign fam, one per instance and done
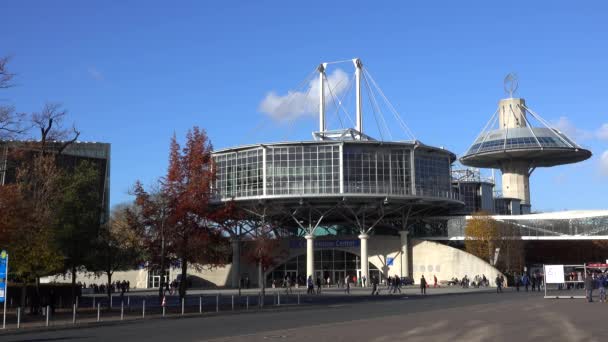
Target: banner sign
(300, 243)
(3, 280)
(554, 274)
(598, 265)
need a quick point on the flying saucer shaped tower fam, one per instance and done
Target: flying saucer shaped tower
(510, 142)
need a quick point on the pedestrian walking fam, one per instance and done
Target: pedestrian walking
(347, 284)
(423, 285)
(499, 280)
(319, 285)
(589, 287)
(396, 284)
(310, 285)
(602, 282)
(434, 281)
(375, 286)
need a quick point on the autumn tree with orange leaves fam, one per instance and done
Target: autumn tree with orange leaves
(188, 218)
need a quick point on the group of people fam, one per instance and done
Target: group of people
(310, 284)
(593, 281)
(534, 280)
(465, 282)
(116, 286)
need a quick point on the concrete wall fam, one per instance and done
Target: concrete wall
(432, 258)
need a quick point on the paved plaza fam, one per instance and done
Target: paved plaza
(443, 315)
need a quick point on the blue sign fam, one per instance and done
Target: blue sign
(390, 261)
(3, 280)
(297, 244)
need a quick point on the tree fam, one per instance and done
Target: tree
(195, 237)
(483, 235)
(27, 211)
(148, 219)
(11, 122)
(78, 218)
(117, 247)
(265, 247)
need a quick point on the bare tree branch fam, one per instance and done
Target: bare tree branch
(5, 75)
(49, 121)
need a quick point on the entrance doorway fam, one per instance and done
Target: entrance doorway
(333, 263)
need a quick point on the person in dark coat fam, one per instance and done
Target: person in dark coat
(375, 286)
(589, 287)
(423, 285)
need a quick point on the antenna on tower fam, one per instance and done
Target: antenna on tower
(511, 84)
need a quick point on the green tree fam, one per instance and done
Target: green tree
(117, 247)
(78, 218)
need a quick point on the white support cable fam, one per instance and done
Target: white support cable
(346, 98)
(373, 109)
(530, 128)
(396, 114)
(404, 126)
(495, 117)
(375, 103)
(333, 98)
(337, 62)
(542, 121)
(391, 107)
(489, 124)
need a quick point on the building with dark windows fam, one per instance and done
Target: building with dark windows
(97, 153)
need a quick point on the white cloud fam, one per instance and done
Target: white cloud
(573, 132)
(296, 104)
(604, 163)
(95, 74)
(602, 132)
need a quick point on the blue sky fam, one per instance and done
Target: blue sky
(134, 72)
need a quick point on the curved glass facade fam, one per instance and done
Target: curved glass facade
(326, 168)
(372, 170)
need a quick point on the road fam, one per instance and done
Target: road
(451, 317)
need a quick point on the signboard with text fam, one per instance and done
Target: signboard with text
(554, 274)
(297, 244)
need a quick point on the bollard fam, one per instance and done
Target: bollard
(93, 302)
(200, 304)
(183, 300)
(232, 302)
(74, 313)
(11, 302)
(98, 312)
(217, 303)
(247, 302)
(48, 313)
(77, 302)
(122, 310)
(129, 302)
(278, 298)
(163, 311)
(18, 317)
(143, 309)
(298, 298)
(111, 301)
